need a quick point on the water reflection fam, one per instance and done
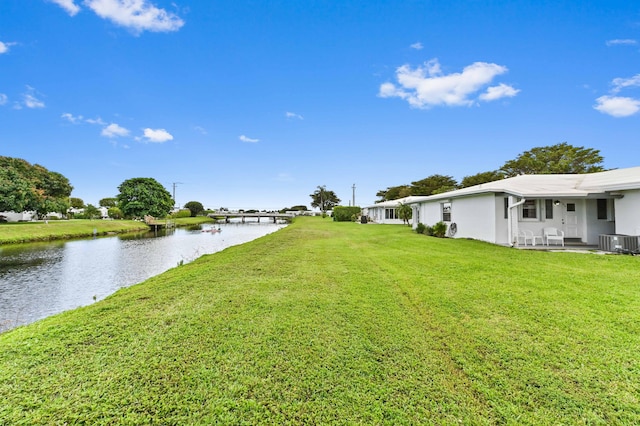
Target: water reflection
(38, 280)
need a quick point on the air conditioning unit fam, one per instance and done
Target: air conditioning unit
(614, 243)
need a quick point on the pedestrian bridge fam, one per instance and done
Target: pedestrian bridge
(230, 215)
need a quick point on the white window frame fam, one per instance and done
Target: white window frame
(536, 209)
(443, 211)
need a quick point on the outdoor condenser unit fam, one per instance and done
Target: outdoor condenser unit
(618, 242)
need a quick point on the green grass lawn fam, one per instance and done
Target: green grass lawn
(61, 229)
(341, 323)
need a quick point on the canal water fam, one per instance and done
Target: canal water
(41, 279)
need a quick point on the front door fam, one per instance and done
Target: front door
(570, 221)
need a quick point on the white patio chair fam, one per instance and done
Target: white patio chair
(527, 235)
(553, 234)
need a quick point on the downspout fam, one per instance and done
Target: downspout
(510, 218)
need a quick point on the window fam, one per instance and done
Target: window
(548, 209)
(506, 207)
(390, 214)
(571, 207)
(446, 212)
(602, 209)
(530, 209)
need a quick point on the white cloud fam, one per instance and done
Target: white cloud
(68, 5)
(244, 138)
(417, 46)
(621, 83)
(4, 46)
(99, 121)
(71, 118)
(427, 86)
(617, 106)
(157, 135)
(138, 15)
(30, 100)
(497, 92)
(3, 99)
(113, 130)
(626, 41)
(293, 115)
(200, 130)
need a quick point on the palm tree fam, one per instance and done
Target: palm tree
(404, 212)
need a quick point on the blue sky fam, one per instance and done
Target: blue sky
(253, 104)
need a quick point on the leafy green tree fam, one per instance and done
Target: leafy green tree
(480, 178)
(299, 208)
(16, 192)
(195, 207)
(560, 158)
(434, 184)
(76, 203)
(404, 212)
(323, 199)
(115, 213)
(24, 186)
(108, 202)
(91, 212)
(144, 196)
(394, 192)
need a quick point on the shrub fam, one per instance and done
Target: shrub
(440, 229)
(345, 214)
(421, 228)
(181, 213)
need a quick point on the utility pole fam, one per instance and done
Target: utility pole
(174, 192)
(353, 202)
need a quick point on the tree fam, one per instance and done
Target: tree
(394, 192)
(24, 186)
(144, 196)
(323, 199)
(108, 202)
(115, 213)
(76, 203)
(434, 184)
(91, 212)
(404, 212)
(194, 207)
(480, 178)
(560, 158)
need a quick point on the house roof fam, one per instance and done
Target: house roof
(546, 186)
(396, 203)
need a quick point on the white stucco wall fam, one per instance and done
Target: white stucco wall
(627, 210)
(377, 214)
(475, 217)
(595, 226)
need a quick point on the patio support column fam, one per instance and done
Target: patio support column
(510, 225)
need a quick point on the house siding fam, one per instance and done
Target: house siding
(597, 226)
(472, 216)
(475, 217)
(627, 211)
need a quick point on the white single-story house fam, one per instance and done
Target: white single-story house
(386, 211)
(583, 206)
(18, 217)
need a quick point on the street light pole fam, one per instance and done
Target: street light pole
(174, 192)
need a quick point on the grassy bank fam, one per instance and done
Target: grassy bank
(326, 322)
(192, 221)
(64, 229)
(61, 229)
